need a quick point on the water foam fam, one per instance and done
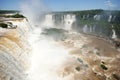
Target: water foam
(47, 56)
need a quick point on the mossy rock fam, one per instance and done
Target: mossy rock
(103, 67)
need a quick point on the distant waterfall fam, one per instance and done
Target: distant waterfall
(97, 17)
(48, 21)
(114, 17)
(60, 21)
(110, 18)
(91, 29)
(69, 19)
(114, 36)
(85, 29)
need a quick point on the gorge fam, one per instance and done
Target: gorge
(60, 46)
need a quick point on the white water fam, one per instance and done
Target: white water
(110, 18)
(47, 56)
(85, 29)
(66, 21)
(97, 17)
(69, 19)
(49, 21)
(91, 29)
(114, 36)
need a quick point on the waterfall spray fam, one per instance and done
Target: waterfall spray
(47, 57)
(85, 28)
(114, 36)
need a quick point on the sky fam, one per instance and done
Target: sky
(64, 5)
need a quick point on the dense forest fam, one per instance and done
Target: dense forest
(8, 11)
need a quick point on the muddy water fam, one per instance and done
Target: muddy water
(98, 59)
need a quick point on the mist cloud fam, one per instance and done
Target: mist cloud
(33, 9)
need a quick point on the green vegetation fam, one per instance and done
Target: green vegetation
(3, 25)
(16, 16)
(8, 11)
(84, 12)
(77, 68)
(57, 34)
(103, 67)
(54, 30)
(107, 78)
(103, 62)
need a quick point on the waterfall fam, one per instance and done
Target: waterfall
(110, 18)
(46, 57)
(94, 28)
(114, 18)
(97, 17)
(88, 16)
(85, 29)
(91, 30)
(65, 21)
(114, 36)
(83, 17)
(49, 20)
(14, 51)
(68, 21)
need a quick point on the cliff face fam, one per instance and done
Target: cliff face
(14, 51)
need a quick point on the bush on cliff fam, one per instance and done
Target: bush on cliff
(16, 16)
(3, 25)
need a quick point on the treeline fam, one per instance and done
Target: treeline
(8, 11)
(13, 14)
(89, 14)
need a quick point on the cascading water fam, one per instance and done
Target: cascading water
(114, 36)
(68, 21)
(114, 17)
(65, 21)
(97, 17)
(47, 57)
(14, 52)
(83, 17)
(110, 18)
(85, 29)
(49, 21)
